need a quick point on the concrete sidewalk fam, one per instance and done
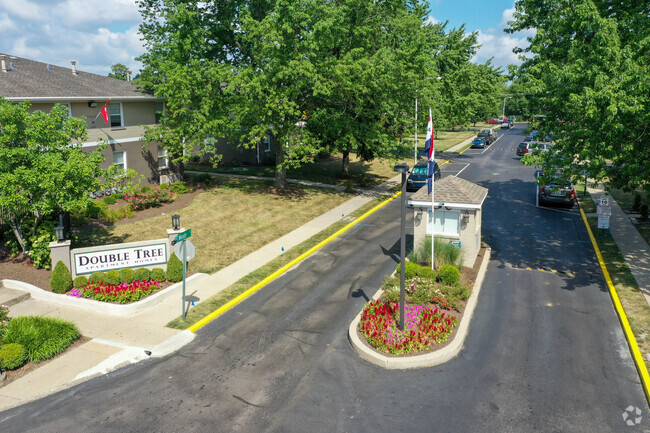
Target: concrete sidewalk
(120, 339)
(633, 246)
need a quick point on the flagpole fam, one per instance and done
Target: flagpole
(415, 152)
(433, 187)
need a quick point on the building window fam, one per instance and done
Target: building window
(117, 119)
(267, 143)
(69, 107)
(447, 223)
(119, 159)
(163, 158)
(159, 107)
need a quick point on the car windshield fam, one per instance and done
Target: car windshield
(419, 170)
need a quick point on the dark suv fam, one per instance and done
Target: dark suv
(418, 177)
(557, 193)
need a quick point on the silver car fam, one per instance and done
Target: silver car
(557, 193)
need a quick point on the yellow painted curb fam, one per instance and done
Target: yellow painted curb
(227, 306)
(627, 330)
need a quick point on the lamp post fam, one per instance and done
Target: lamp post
(59, 232)
(503, 112)
(176, 221)
(402, 168)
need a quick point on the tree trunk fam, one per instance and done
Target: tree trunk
(19, 235)
(346, 163)
(280, 169)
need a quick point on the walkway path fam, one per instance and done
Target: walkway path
(633, 246)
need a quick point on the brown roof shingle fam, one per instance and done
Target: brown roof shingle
(29, 79)
(452, 189)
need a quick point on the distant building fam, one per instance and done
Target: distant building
(129, 110)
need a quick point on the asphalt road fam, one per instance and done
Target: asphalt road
(544, 353)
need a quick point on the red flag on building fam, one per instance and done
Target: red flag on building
(104, 112)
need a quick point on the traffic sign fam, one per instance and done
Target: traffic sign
(183, 235)
(604, 210)
(190, 251)
(603, 222)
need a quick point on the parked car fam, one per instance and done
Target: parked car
(557, 192)
(493, 121)
(478, 143)
(505, 125)
(537, 145)
(521, 148)
(488, 134)
(528, 138)
(418, 176)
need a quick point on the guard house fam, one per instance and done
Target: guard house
(457, 215)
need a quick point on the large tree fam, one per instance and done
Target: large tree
(120, 71)
(42, 171)
(313, 75)
(588, 72)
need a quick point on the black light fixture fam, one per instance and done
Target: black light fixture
(59, 232)
(401, 168)
(176, 221)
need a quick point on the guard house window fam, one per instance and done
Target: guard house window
(119, 159)
(117, 119)
(163, 158)
(159, 107)
(267, 143)
(447, 223)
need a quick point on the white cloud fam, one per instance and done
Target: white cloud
(431, 20)
(508, 15)
(499, 47)
(96, 33)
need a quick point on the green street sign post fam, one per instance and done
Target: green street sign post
(183, 235)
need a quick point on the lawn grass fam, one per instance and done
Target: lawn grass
(232, 219)
(326, 170)
(632, 300)
(445, 140)
(206, 307)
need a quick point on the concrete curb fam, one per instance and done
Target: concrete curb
(97, 306)
(131, 355)
(430, 359)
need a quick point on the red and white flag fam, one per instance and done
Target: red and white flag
(428, 145)
(105, 113)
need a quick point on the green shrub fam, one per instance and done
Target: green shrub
(446, 253)
(410, 270)
(4, 320)
(80, 281)
(174, 269)
(109, 200)
(12, 356)
(61, 279)
(637, 202)
(427, 273)
(644, 212)
(449, 274)
(164, 186)
(142, 274)
(39, 245)
(391, 294)
(42, 337)
(127, 275)
(118, 196)
(97, 277)
(145, 189)
(96, 209)
(113, 278)
(158, 274)
(179, 187)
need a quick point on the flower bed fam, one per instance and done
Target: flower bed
(423, 326)
(147, 199)
(122, 293)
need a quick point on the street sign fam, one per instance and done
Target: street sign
(603, 222)
(604, 210)
(455, 243)
(604, 200)
(183, 235)
(190, 251)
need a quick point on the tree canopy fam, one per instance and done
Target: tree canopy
(588, 73)
(41, 172)
(313, 75)
(120, 71)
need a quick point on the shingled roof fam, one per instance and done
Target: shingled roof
(36, 81)
(451, 190)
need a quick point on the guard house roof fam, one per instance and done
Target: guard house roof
(451, 192)
(23, 79)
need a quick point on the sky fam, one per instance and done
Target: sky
(100, 33)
